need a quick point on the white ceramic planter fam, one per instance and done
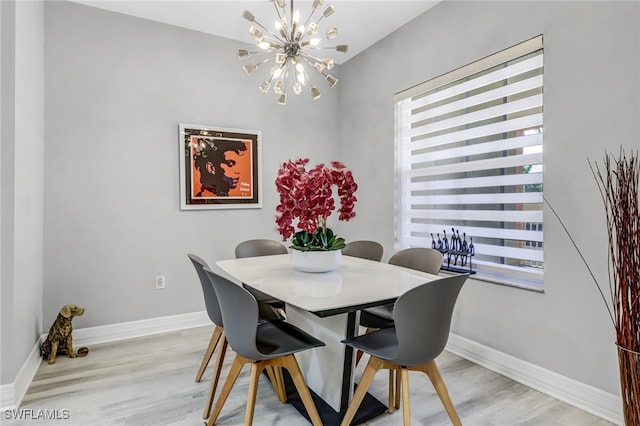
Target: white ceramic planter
(316, 261)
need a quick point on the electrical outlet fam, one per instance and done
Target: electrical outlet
(160, 280)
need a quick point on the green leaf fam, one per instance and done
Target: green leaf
(330, 233)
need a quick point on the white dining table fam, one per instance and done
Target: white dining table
(327, 305)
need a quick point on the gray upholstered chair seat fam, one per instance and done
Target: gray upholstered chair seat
(382, 343)
(281, 338)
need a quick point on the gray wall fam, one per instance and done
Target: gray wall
(116, 89)
(592, 95)
(22, 159)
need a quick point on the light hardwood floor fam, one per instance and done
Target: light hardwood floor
(150, 381)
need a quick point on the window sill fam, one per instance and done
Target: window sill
(524, 285)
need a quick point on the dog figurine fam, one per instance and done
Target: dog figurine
(59, 340)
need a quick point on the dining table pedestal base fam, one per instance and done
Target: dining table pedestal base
(329, 370)
(369, 408)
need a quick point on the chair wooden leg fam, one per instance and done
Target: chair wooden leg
(406, 412)
(215, 378)
(272, 377)
(256, 369)
(289, 362)
(277, 384)
(280, 379)
(390, 405)
(431, 369)
(369, 373)
(234, 372)
(397, 405)
(215, 337)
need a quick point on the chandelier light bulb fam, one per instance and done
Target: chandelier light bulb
(276, 72)
(264, 45)
(317, 4)
(281, 58)
(282, 100)
(297, 88)
(279, 87)
(255, 32)
(332, 33)
(243, 54)
(320, 67)
(296, 17)
(342, 48)
(264, 87)
(315, 93)
(281, 4)
(313, 29)
(314, 41)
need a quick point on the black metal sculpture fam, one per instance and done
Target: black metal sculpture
(455, 251)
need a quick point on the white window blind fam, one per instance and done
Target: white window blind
(469, 157)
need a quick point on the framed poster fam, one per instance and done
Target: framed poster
(219, 168)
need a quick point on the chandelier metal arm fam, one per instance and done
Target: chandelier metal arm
(338, 47)
(313, 65)
(277, 37)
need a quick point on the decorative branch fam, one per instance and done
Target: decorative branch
(618, 187)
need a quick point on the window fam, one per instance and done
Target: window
(469, 158)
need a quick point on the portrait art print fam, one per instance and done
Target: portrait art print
(219, 168)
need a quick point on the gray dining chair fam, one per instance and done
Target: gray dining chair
(422, 318)
(270, 344)
(364, 249)
(418, 258)
(218, 336)
(261, 247)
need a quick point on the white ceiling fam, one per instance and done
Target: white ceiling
(360, 23)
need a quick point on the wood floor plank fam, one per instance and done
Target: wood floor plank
(149, 381)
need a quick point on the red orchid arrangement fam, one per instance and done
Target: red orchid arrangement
(307, 195)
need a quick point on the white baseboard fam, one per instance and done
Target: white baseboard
(129, 330)
(11, 395)
(578, 394)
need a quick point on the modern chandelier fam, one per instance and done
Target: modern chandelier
(289, 48)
